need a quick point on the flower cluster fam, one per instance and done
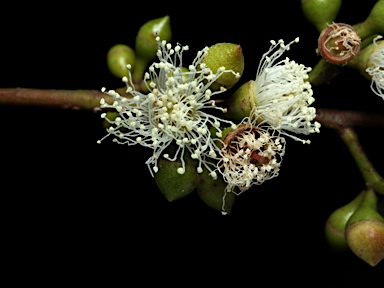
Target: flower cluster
(283, 94)
(250, 155)
(376, 71)
(173, 111)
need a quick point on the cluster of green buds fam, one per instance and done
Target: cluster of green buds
(358, 226)
(121, 55)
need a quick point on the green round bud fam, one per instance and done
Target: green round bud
(320, 13)
(336, 223)
(374, 23)
(227, 55)
(171, 183)
(118, 57)
(365, 230)
(212, 193)
(146, 44)
(242, 101)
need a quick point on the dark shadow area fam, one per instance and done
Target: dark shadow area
(77, 206)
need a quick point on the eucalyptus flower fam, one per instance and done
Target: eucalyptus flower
(282, 95)
(172, 112)
(376, 71)
(251, 154)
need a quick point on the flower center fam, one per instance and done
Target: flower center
(256, 158)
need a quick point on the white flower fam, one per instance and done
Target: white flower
(250, 155)
(377, 70)
(173, 111)
(282, 94)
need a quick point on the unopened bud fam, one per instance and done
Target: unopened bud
(227, 55)
(320, 13)
(336, 223)
(174, 181)
(365, 230)
(118, 57)
(146, 44)
(212, 192)
(374, 23)
(242, 101)
(364, 60)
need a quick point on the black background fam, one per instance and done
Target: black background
(76, 208)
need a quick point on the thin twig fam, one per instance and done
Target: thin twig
(333, 118)
(371, 176)
(65, 99)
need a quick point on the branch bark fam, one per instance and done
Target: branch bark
(65, 99)
(336, 119)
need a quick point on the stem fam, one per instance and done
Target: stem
(65, 99)
(369, 173)
(364, 29)
(367, 41)
(323, 72)
(138, 72)
(337, 119)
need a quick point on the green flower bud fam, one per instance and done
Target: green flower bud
(242, 101)
(363, 60)
(118, 57)
(374, 23)
(320, 13)
(146, 45)
(227, 55)
(171, 183)
(212, 193)
(336, 223)
(365, 230)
